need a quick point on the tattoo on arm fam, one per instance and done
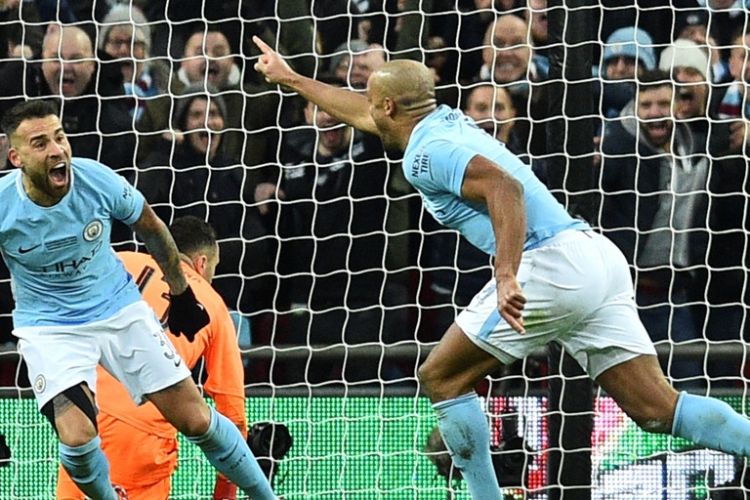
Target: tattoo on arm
(162, 248)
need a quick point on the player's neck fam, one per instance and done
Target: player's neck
(38, 196)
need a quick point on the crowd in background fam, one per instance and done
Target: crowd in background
(322, 239)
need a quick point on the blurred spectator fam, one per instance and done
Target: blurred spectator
(207, 59)
(627, 53)
(331, 224)
(726, 17)
(688, 64)
(96, 120)
(654, 177)
(126, 37)
(732, 98)
(20, 33)
(536, 17)
(198, 176)
(506, 54)
(728, 257)
(354, 61)
(493, 109)
(693, 25)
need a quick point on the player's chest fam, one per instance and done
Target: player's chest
(57, 242)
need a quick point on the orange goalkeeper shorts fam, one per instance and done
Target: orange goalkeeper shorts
(67, 489)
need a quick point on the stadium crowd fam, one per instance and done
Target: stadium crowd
(322, 239)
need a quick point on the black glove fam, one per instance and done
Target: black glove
(186, 315)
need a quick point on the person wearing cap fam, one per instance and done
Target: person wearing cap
(692, 25)
(688, 64)
(126, 37)
(627, 52)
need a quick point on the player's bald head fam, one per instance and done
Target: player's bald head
(409, 84)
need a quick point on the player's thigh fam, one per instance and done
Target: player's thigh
(641, 390)
(455, 366)
(58, 358)
(66, 489)
(137, 352)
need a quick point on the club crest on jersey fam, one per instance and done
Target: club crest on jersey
(93, 230)
(40, 383)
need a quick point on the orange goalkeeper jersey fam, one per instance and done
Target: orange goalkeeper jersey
(216, 343)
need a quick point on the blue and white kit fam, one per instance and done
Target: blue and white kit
(578, 289)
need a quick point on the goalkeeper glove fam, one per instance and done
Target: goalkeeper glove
(224, 489)
(186, 315)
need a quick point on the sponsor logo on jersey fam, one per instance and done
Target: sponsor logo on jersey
(420, 165)
(22, 250)
(93, 230)
(40, 383)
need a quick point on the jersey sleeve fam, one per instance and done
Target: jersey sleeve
(225, 381)
(125, 201)
(440, 167)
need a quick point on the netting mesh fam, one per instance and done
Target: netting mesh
(339, 281)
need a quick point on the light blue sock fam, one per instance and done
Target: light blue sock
(89, 469)
(467, 436)
(229, 454)
(711, 423)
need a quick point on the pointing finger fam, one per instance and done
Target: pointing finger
(263, 46)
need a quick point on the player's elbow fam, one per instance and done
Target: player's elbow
(512, 187)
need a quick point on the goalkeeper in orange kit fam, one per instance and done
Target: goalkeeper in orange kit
(140, 444)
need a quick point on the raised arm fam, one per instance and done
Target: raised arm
(489, 184)
(186, 315)
(345, 105)
(159, 243)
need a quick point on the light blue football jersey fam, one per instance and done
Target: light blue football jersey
(62, 267)
(435, 161)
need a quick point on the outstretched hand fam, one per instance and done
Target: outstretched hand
(271, 65)
(510, 302)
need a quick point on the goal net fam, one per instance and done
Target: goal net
(338, 280)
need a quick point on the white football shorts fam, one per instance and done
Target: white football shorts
(131, 345)
(579, 293)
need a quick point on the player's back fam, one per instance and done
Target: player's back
(435, 161)
(63, 268)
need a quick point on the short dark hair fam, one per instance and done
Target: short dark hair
(36, 108)
(653, 79)
(192, 235)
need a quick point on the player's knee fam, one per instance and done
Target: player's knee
(73, 416)
(194, 422)
(437, 385)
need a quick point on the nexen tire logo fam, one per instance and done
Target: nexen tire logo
(93, 230)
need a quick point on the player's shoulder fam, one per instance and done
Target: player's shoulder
(91, 169)
(206, 294)
(8, 179)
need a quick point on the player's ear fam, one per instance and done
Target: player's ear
(389, 106)
(200, 262)
(14, 158)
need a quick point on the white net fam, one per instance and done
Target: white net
(339, 281)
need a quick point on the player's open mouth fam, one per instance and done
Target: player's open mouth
(58, 175)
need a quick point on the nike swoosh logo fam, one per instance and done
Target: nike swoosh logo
(27, 250)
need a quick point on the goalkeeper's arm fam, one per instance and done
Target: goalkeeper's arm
(348, 106)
